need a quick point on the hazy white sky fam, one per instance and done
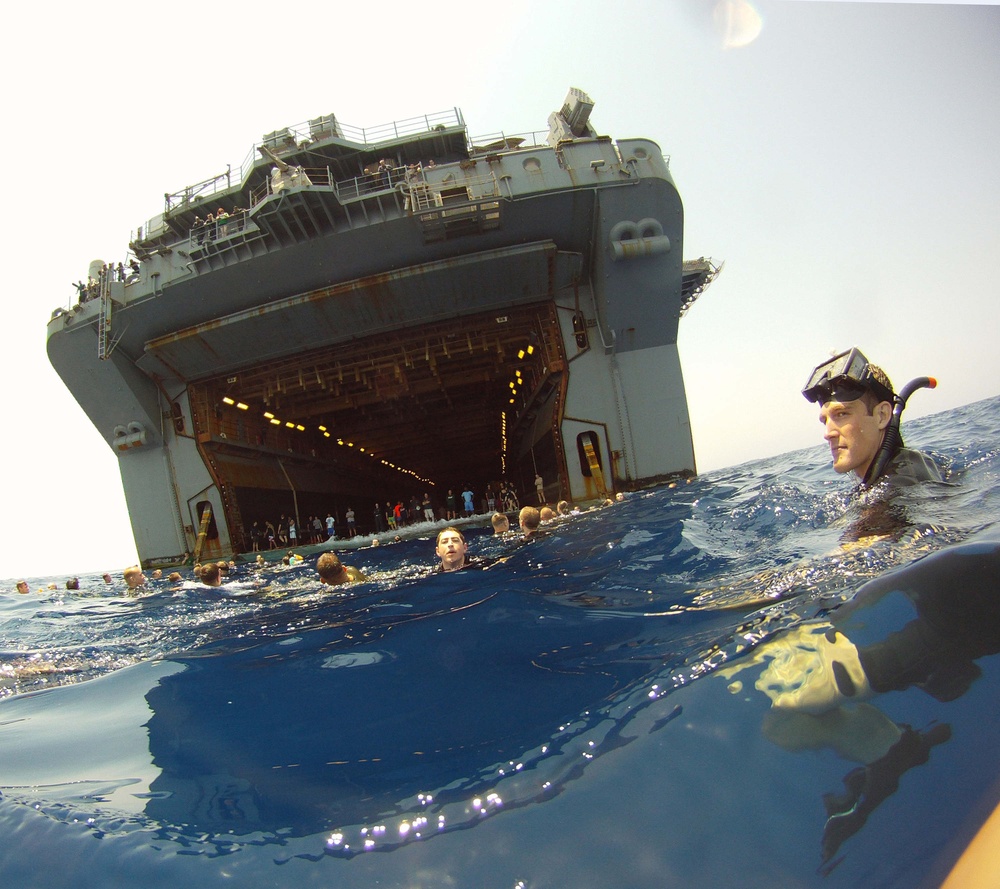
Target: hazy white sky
(842, 163)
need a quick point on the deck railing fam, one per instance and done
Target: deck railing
(316, 130)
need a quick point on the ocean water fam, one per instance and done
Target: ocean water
(643, 697)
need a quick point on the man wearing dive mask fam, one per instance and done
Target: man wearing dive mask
(861, 414)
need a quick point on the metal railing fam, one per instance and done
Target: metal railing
(304, 134)
(223, 227)
(501, 141)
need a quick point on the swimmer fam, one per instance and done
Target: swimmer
(375, 541)
(134, 578)
(174, 576)
(451, 549)
(546, 514)
(529, 518)
(22, 587)
(106, 577)
(73, 583)
(860, 414)
(157, 574)
(332, 571)
(211, 575)
(501, 524)
(563, 507)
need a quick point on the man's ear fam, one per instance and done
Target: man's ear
(883, 413)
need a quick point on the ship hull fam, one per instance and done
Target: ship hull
(508, 316)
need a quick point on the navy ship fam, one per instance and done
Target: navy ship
(361, 315)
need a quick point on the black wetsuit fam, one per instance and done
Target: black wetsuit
(956, 599)
(473, 564)
(909, 467)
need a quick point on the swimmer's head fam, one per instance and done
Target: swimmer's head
(501, 524)
(210, 574)
(449, 530)
(331, 569)
(546, 514)
(134, 577)
(562, 507)
(451, 549)
(529, 518)
(22, 586)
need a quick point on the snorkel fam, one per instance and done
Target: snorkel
(892, 441)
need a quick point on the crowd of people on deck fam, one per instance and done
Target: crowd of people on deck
(390, 515)
(218, 224)
(377, 176)
(267, 535)
(106, 275)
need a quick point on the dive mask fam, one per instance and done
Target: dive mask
(845, 377)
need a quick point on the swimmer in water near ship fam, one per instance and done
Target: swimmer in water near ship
(529, 518)
(211, 575)
(860, 414)
(451, 549)
(332, 571)
(134, 578)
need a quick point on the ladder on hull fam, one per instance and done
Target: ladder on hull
(206, 517)
(104, 323)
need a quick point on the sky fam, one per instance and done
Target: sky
(838, 157)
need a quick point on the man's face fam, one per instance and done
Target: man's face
(22, 586)
(854, 434)
(451, 550)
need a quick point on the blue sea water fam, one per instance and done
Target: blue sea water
(595, 709)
